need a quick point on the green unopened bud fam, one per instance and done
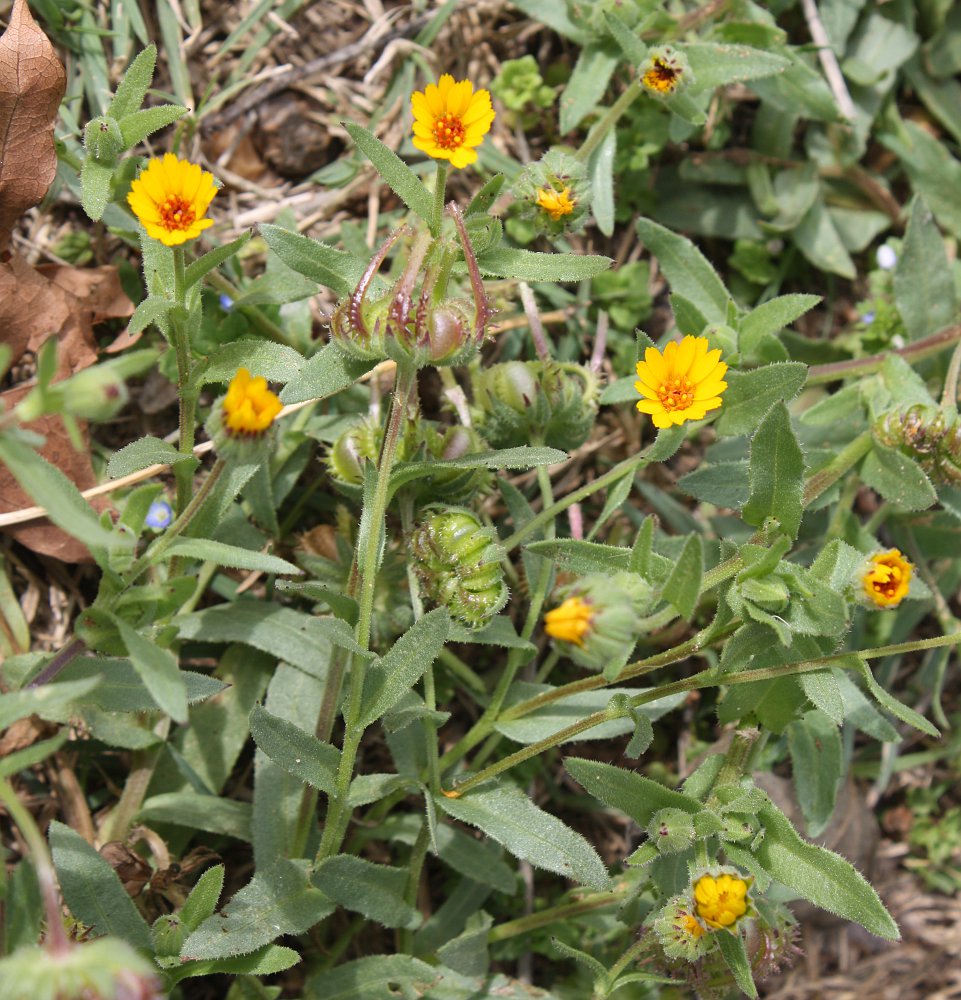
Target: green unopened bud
(738, 828)
(168, 935)
(679, 932)
(520, 401)
(597, 618)
(671, 830)
(769, 593)
(458, 562)
(106, 969)
(103, 140)
(97, 393)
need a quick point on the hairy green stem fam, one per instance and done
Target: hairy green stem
(183, 474)
(440, 190)
(949, 398)
(555, 914)
(369, 548)
(611, 117)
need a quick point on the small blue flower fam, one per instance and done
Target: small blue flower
(868, 318)
(226, 303)
(159, 515)
(886, 257)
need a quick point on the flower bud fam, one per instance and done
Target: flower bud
(168, 935)
(884, 579)
(721, 898)
(97, 393)
(103, 140)
(679, 931)
(769, 593)
(105, 969)
(554, 193)
(671, 830)
(597, 619)
(665, 71)
(240, 422)
(520, 401)
(458, 563)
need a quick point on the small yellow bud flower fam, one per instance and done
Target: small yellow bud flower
(683, 383)
(570, 621)
(720, 900)
(557, 204)
(451, 119)
(691, 926)
(171, 198)
(661, 76)
(249, 406)
(887, 578)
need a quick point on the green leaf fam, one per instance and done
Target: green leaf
(278, 900)
(687, 270)
(96, 186)
(199, 812)
(338, 270)
(507, 458)
(275, 362)
(821, 876)
(137, 126)
(152, 309)
(134, 84)
(771, 317)
(376, 891)
(266, 961)
(725, 484)
(378, 977)
(398, 176)
(823, 692)
(51, 489)
(597, 970)
(285, 634)
(222, 554)
(49, 700)
(390, 677)
(143, 453)
(202, 901)
(631, 45)
(202, 266)
(529, 265)
(158, 670)
(924, 287)
(816, 762)
(587, 83)
(898, 479)
(556, 715)
(631, 793)
(580, 556)
(734, 953)
(295, 751)
(508, 816)
(776, 473)
(481, 203)
(328, 372)
(819, 241)
(468, 952)
(19, 760)
(715, 65)
(92, 889)
(683, 586)
(895, 707)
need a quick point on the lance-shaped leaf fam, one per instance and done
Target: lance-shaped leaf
(776, 473)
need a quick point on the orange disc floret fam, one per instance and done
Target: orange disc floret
(557, 204)
(570, 621)
(171, 197)
(721, 901)
(451, 119)
(887, 578)
(684, 383)
(249, 406)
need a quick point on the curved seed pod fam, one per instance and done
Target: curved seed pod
(458, 563)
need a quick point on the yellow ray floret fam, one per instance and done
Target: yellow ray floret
(451, 119)
(557, 204)
(249, 406)
(720, 901)
(684, 383)
(887, 578)
(570, 621)
(171, 198)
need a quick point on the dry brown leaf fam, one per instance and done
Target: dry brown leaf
(61, 302)
(32, 82)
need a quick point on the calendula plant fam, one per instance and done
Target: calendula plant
(375, 714)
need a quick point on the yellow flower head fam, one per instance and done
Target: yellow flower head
(249, 406)
(691, 926)
(450, 119)
(887, 578)
(570, 621)
(662, 76)
(720, 900)
(683, 383)
(171, 198)
(557, 204)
